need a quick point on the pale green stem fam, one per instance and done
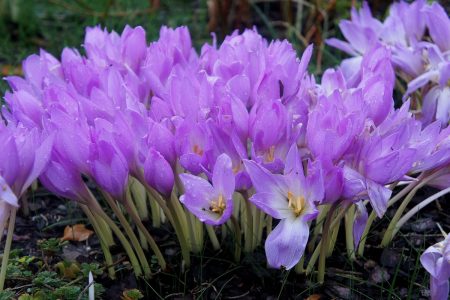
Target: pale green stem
(182, 238)
(262, 216)
(140, 197)
(389, 231)
(213, 237)
(333, 238)
(199, 231)
(313, 259)
(129, 231)
(103, 243)
(249, 231)
(318, 226)
(193, 240)
(237, 236)
(365, 234)
(324, 246)
(156, 213)
(256, 225)
(7, 249)
(417, 208)
(169, 211)
(299, 267)
(349, 220)
(131, 209)
(96, 209)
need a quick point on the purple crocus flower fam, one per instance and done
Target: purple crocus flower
(194, 145)
(438, 24)
(26, 154)
(158, 172)
(436, 260)
(435, 101)
(268, 140)
(292, 198)
(211, 203)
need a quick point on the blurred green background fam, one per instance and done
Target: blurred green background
(26, 25)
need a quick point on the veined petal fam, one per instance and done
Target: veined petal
(264, 181)
(378, 196)
(223, 177)
(272, 204)
(286, 244)
(198, 188)
(341, 45)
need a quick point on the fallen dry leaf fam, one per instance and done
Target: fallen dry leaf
(314, 297)
(77, 233)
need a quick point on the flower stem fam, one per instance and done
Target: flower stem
(182, 237)
(318, 227)
(299, 267)
(96, 209)
(388, 235)
(237, 235)
(7, 249)
(349, 219)
(418, 207)
(129, 206)
(103, 244)
(156, 213)
(213, 237)
(325, 240)
(362, 243)
(249, 225)
(129, 231)
(167, 207)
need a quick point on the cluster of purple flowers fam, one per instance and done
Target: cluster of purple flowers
(422, 60)
(243, 118)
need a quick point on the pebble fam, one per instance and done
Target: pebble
(379, 275)
(390, 258)
(423, 225)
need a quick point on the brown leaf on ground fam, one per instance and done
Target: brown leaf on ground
(77, 233)
(314, 297)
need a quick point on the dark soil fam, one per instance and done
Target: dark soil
(391, 273)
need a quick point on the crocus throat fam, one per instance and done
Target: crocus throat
(218, 206)
(270, 154)
(198, 150)
(296, 203)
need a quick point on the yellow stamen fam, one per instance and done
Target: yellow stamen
(296, 203)
(218, 206)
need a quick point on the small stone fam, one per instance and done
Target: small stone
(379, 275)
(370, 264)
(170, 251)
(390, 258)
(343, 292)
(403, 292)
(423, 225)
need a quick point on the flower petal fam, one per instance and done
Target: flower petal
(223, 177)
(378, 196)
(264, 181)
(286, 243)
